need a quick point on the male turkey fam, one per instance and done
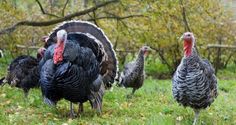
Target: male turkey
(23, 72)
(194, 82)
(78, 64)
(133, 74)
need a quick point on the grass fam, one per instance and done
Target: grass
(152, 104)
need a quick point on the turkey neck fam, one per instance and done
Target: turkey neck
(190, 54)
(140, 60)
(188, 46)
(191, 63)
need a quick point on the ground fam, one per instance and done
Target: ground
(152, 104)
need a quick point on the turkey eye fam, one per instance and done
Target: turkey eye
(189, 35)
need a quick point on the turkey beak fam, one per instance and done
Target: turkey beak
(149, 49)
(181, 38)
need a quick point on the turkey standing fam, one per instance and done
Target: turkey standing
(194, 82)
(77, 65)
(23, 72)
(133, 74)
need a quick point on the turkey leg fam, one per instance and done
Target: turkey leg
(196, 116)
(72, 113)
(81, 108)
(133, 91)
(26, 93)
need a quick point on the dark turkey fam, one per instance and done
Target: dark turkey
(23, 72)
(133, 74)
(78, 64)
(194, 82)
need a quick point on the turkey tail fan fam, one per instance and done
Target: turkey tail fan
(87, 40)
(109, 66)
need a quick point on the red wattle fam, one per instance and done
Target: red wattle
(146, 53)
(58, 53)
(187, 48)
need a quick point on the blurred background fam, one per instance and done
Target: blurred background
(129, 24)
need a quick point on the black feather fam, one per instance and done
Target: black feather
(83, 32)
(23, 73)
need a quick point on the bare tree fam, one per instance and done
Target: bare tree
(55, 21)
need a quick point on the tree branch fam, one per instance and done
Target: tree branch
(163, 59)
(26, 47)
(63, 10)
(54, 21)
(43, 11)
(116, 17)
(220, 46)
(186, 24)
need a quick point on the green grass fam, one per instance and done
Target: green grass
(152, 104)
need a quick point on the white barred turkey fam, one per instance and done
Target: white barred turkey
(194, 82)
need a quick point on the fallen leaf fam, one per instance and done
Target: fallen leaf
(179, 118)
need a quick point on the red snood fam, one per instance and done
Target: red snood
(58, 53)
(188, 48)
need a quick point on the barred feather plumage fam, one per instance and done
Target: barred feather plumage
(133, 74)
(194, 83)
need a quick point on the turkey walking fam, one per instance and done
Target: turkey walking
(78, 64)
(194, 82)
(133, 74)
(23, 72)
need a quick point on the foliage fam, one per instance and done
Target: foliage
(162, 26)
(228, 72)
(130, 24)
(155, 68)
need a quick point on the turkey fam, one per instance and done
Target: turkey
(78, 64)
(23, 72)
(133, 74)
(194, 83)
